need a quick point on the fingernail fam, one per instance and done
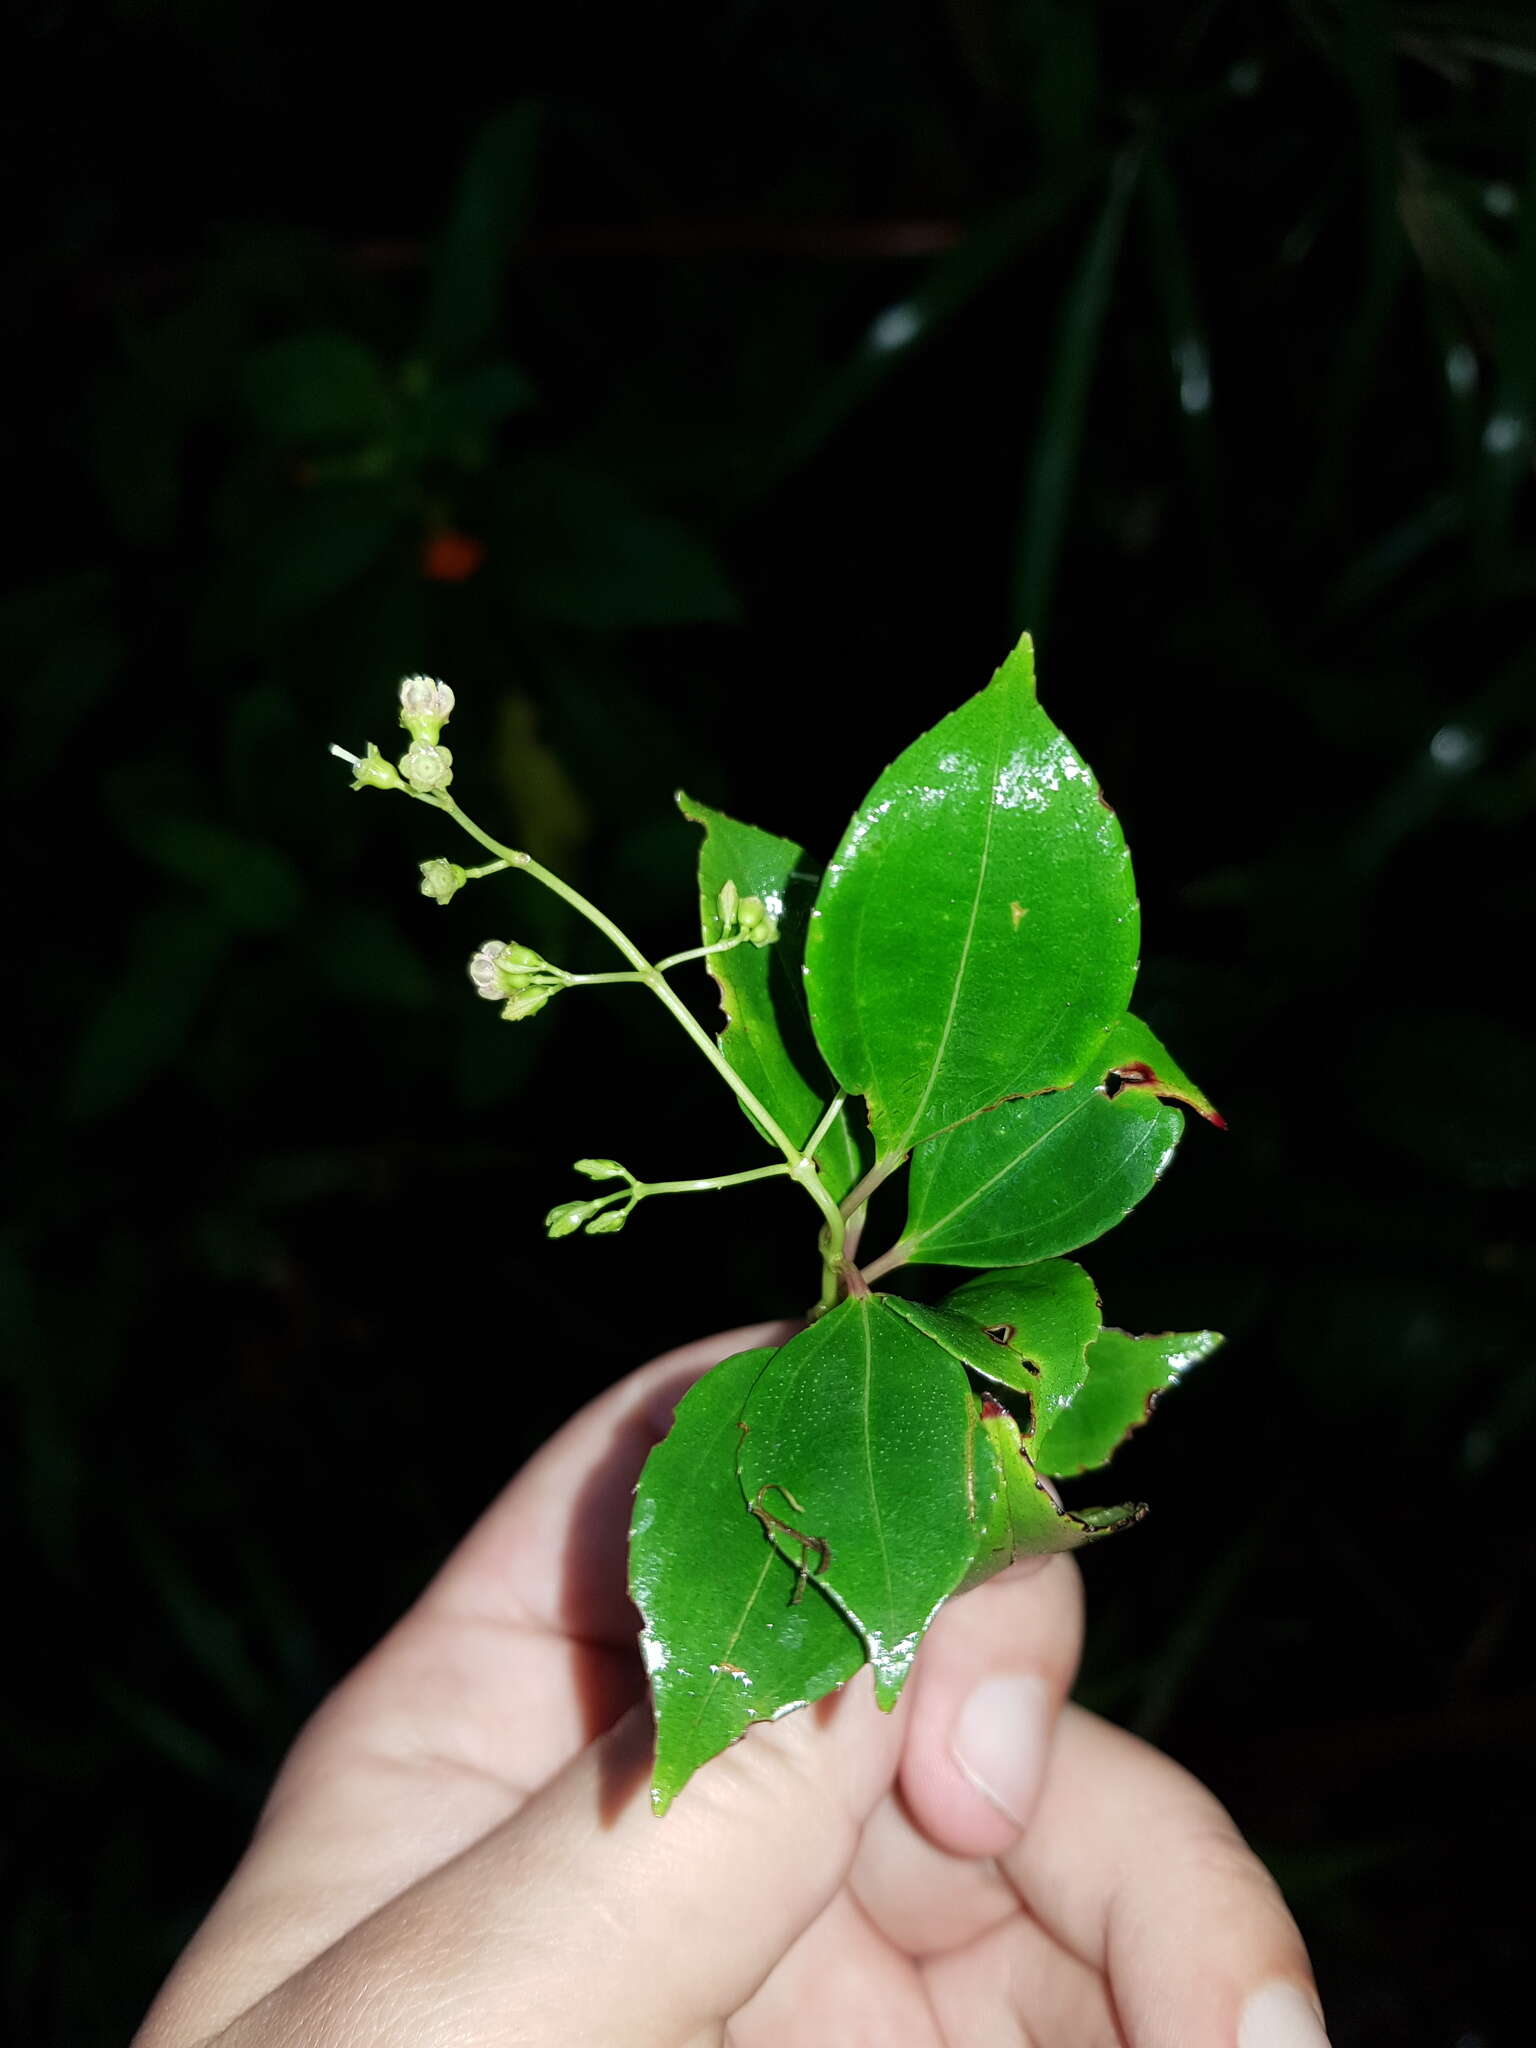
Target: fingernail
(1280, 2016)
(999, 1742)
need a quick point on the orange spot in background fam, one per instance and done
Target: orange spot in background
(451, 557)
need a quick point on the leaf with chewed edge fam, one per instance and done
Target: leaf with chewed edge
(1027, 1328)
(1125, 1376)
(1048, 1173)
(858, 1451)
(1024, 1520)
(725, 1640)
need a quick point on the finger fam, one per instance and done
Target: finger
(476, 1697)
(591, 1921)
(989, 1684)
(1136, 1868)
(1017, 1988)
(841, 1982)
(920, 1898)
(550, 1551)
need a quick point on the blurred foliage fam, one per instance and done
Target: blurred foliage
(691, 391)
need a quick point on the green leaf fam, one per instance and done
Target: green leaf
(319, 387)
(1021, 1519)
(976, 934)
(1139, 1059)
(767, 1038)
(1048, 1173)
(1124, 1378)
(1028, 1329)
(489, 213)
(858, 1439)
(725, 1642)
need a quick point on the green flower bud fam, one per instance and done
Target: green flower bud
(426, 767)
(425, 706)
(756, 924)
(727, 903)
(442, 880)
(566, 1217)
(372, 771)
(528, 1005)
(499, 970)
(607, 1223)
(601, 1169)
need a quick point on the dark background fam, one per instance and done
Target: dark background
(768, 367)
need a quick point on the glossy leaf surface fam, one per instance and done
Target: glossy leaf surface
(724, 1641)
(1045, 1317)
(1124, 1378)
(859, 1436)
(1047, 1173)
(976, 933)
(767, 1037)
(1022, 1520)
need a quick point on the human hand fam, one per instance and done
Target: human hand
(460, 1849)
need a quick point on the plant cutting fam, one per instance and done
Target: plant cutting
(942, 1015)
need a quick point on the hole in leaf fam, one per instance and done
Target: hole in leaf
(1134, 1074)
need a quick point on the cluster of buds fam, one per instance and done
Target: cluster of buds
(521, 980)
(425, 708)
(568, 1216)
(745, 917)
(598, 1218)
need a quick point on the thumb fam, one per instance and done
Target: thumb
(585, 1918)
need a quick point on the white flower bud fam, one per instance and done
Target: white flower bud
(425, 707)
(426, 767)
(485, 971)
(727, 903)
(442, 880)
(499, 970)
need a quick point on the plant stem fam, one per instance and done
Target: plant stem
(800, 1165)
(700, 953)
(888, 1261)
(720, 1180)
(877, 1175)
(828, 1119)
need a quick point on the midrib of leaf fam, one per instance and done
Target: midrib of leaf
(717, 1675)
(869, 1466)
(965, 951)
(1002, 1173)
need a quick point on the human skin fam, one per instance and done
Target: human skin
(459, 1850)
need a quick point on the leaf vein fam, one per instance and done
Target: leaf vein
(965, 950)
